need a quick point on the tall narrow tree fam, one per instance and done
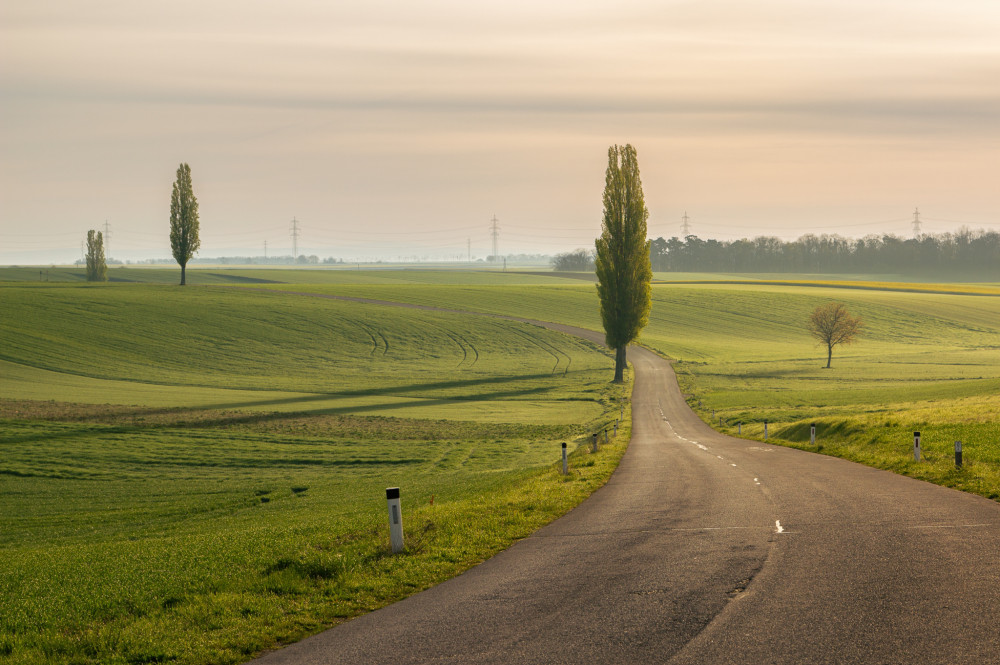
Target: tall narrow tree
(622, 261)
(184, 241)
(97, 267)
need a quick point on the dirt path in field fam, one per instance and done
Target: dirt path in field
(708, 549)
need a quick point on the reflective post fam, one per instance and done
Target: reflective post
(395, 519)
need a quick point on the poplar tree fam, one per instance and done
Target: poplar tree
(622, 261)
(97, 267)
(184, 241)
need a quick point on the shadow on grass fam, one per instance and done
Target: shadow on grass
(304, 400)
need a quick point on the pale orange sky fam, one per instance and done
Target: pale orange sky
(398, 128)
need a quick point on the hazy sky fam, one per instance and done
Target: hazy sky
(398, 128)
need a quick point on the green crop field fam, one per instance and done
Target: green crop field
(190, 475)
(194, 475)
(929, 360)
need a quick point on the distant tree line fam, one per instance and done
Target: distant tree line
(288, 259)
(239, 260)
(581, 260)
(962, 252)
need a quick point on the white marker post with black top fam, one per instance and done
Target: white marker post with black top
(395, 519)
(812, 434)
(765, 430)
(916, 446)
(565, 461)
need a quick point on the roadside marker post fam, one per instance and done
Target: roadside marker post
(713, 414)
(958, 454)
(616, 429)
(395, 519)
(812, 434)
(593, 447)
(916, 446)
(739, 429)
(605, 435)
(765, 430)
(565, 461)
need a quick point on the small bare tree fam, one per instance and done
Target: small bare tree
(832, 324)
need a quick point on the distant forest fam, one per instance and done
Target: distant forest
(964, 252)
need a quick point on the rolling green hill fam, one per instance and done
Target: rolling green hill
(209, 462)
(193, 475)
(226, 348)
(929, 361)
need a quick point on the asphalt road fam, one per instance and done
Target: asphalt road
(708, 549)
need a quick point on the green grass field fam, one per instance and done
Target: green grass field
(226, 348)
(190, 475)
(193, 475)
(929, 360)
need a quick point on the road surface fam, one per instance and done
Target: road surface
(703, 548)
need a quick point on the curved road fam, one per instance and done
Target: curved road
(708, 549)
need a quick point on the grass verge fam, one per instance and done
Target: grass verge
(884, 439)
